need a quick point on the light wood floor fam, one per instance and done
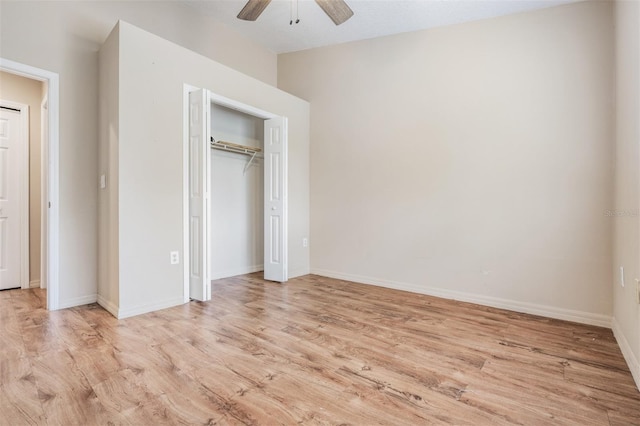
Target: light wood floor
(312, 351)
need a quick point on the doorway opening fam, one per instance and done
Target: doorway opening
(236, 231)
(235, 204)
(48, 199)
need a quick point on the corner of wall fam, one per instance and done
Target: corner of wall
(126, 312)
(108, 139)
(108, 306)
(629, 356)
(626, 222)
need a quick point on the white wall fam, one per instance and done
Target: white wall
(152, 74)
(64, 37)
(472, 161)
(237, 198)
(625, 214)
(29, 92)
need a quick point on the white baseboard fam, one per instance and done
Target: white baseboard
(77, 301)
(237, 271)
(512, 305)
(110, 307)
(144, 309)
(34, 284)
(629, 356)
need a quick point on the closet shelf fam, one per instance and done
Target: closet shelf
(240, 149)
(229, 146)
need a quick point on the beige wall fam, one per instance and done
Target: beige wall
(64, 37)
(29, 92)
(625, 217)
(151, 77)
(470, 161)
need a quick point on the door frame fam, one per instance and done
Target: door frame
(23, 188)
(225, 102)
(44, 145)
(50, 169)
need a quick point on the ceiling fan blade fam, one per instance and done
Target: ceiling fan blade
(337, 10)
(253, 9)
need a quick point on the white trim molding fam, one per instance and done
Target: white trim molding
(186, 256)
(52, 172)
(511, 305)
(629, 356)
(44, 208)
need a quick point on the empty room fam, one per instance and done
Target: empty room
(320, 212)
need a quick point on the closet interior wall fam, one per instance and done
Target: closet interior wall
(237, 208)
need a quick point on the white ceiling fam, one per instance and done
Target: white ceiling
(372, 18)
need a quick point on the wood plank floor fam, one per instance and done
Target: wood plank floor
(312, 351)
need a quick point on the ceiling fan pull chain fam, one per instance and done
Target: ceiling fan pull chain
(291, 13)
(297, 12)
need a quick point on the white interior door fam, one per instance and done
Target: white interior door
(10, 137)
(199, 130)
(275, 199)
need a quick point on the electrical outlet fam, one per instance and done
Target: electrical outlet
(622, 276)
(175, 257)
(305, 242)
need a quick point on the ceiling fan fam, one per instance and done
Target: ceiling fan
(337, 10)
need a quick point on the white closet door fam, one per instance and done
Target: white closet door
(275, 199)
(199, 119)
(10, 223)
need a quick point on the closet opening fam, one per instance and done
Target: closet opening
(236, 231)
(236, 192)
